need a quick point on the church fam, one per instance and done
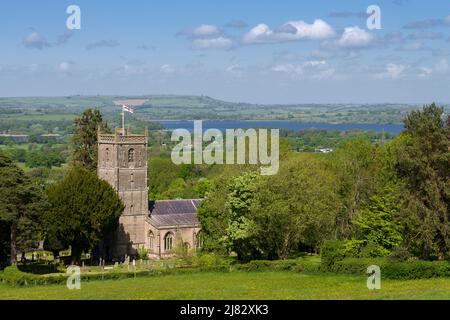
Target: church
(160, 227)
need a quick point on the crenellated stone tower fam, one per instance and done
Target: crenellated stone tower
(122, 162)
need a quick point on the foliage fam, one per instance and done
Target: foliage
(267, 217)
(333, 251)
(84, 140)
(399, 254)
(169, 181)
(423, 162)
(405, 270)
(377, 225)
(240, 236)
(355, 164)
(142, 253)
(83, 210)
(298, 206)
(21, 205)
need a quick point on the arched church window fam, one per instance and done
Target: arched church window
(151, 240)
(198, 239)
(168, 241)
(131, 155)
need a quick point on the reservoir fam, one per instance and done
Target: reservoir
(222, 125)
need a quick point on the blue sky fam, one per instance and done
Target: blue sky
(251, 51)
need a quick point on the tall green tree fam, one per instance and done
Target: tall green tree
(214, 213)
(240, 233)
(83, 209)
(21, 204)
(423, 162)
(356, 164)
(298, 206)
(84, 140)
(378, 226)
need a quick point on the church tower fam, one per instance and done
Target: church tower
(122, 162)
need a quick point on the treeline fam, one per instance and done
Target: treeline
(362, 200)
(311, 139)
(34, 127)
(36, 156)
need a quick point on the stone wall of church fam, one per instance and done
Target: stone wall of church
(182, 235)
(122, 162)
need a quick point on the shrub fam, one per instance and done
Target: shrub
(208, 260)
(13, 276)
(142, 253)
(399, 254)
(333, 251)
(416, 270)
(391, 270)
(355, 266)
(37, 268)
(373, 250)
(296, 265)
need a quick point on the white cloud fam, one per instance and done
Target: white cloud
(324, 74)
(288, 68)
(425, 72)
(167, 68)
(205, 30)
(393, 71)
(290, 31)
(441, 67)
(64, 67)
(234, 70)
(317, 69)
(35, 40)
(132, 69)
(212, 43)
(207, 36)
(314, 63)
(354, 37)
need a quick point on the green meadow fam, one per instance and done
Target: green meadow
(282, 285)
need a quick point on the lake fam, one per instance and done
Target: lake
(280, 124)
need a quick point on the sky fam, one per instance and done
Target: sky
(256, 51)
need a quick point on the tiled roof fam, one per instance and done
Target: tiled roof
(174, 212)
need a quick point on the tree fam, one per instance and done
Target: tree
(21, 204)
(214, 214)
(378, 226)
(84, 140)
(423, 162)
(356, 165)
(161, 173)
(83, 209)
(240, 233)
(298, 206)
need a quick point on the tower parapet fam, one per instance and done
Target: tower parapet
(122, 136)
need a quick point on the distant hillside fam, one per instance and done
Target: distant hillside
(171, 107)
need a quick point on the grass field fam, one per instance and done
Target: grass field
(237, 285)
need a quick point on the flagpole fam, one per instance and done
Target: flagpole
(123, 121)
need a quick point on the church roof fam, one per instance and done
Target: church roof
(174, 212)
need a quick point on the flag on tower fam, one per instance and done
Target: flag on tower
(127, 109)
